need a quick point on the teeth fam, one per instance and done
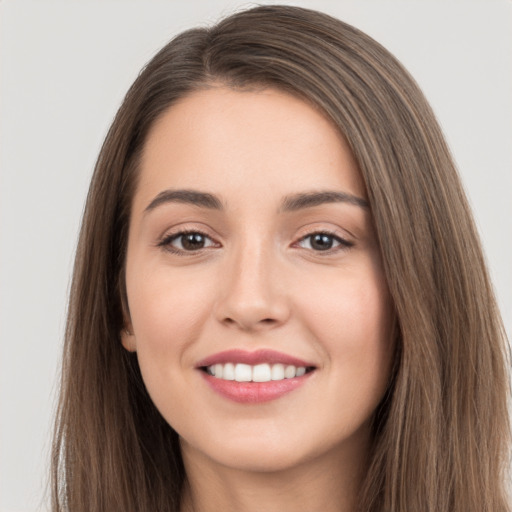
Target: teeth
(289, 372)
(258, 373)
(243, 373)
(300, 371)
(228, 372)
(278, 372)
(218, 371)
(261, 373)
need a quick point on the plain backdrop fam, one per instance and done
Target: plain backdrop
(65, 67)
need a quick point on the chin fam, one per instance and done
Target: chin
(258, 459)
(256, 452)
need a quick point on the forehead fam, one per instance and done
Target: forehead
(246, 143)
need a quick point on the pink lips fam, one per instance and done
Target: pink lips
(253, 392)
(252, 358)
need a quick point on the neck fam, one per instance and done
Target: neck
(328, 483)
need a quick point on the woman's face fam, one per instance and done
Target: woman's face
(251, 255)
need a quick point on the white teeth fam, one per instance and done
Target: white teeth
(218, 371)
(289, 372)
(300, 371)
(243, 373)
(261, 373)
(278, 372)
(258, 373)
(229, 371)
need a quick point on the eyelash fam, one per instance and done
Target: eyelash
(165, 243)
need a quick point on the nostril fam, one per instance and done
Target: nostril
(264, 321)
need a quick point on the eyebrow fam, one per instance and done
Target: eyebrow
(290, 203)
(201, 199)
(309, 199)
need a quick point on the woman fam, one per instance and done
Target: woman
(279, 297)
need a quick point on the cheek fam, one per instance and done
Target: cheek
(352, 319)
(167, 311)
(352, 311)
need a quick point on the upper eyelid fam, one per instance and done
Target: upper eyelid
(317, 228)
(184, 229)
(329, 231)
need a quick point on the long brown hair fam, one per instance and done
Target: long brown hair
(441, 434)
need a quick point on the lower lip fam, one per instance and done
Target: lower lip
(254, 392)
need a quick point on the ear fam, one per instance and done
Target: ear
(128, 338)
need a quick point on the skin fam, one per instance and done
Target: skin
(258, 282)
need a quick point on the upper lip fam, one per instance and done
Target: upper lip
(252, 358)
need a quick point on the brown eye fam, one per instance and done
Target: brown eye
(192, 241)
(186, 241)
(324, 242)
(321, 242)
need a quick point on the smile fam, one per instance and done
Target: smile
(259, 373)
(254, 377)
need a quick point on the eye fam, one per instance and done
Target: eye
(186, 241)
(324, 242)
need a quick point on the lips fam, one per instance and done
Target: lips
(252, 358)
(254, 377)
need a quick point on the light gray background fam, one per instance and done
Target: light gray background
(65, 67)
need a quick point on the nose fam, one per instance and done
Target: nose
(252, 295)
